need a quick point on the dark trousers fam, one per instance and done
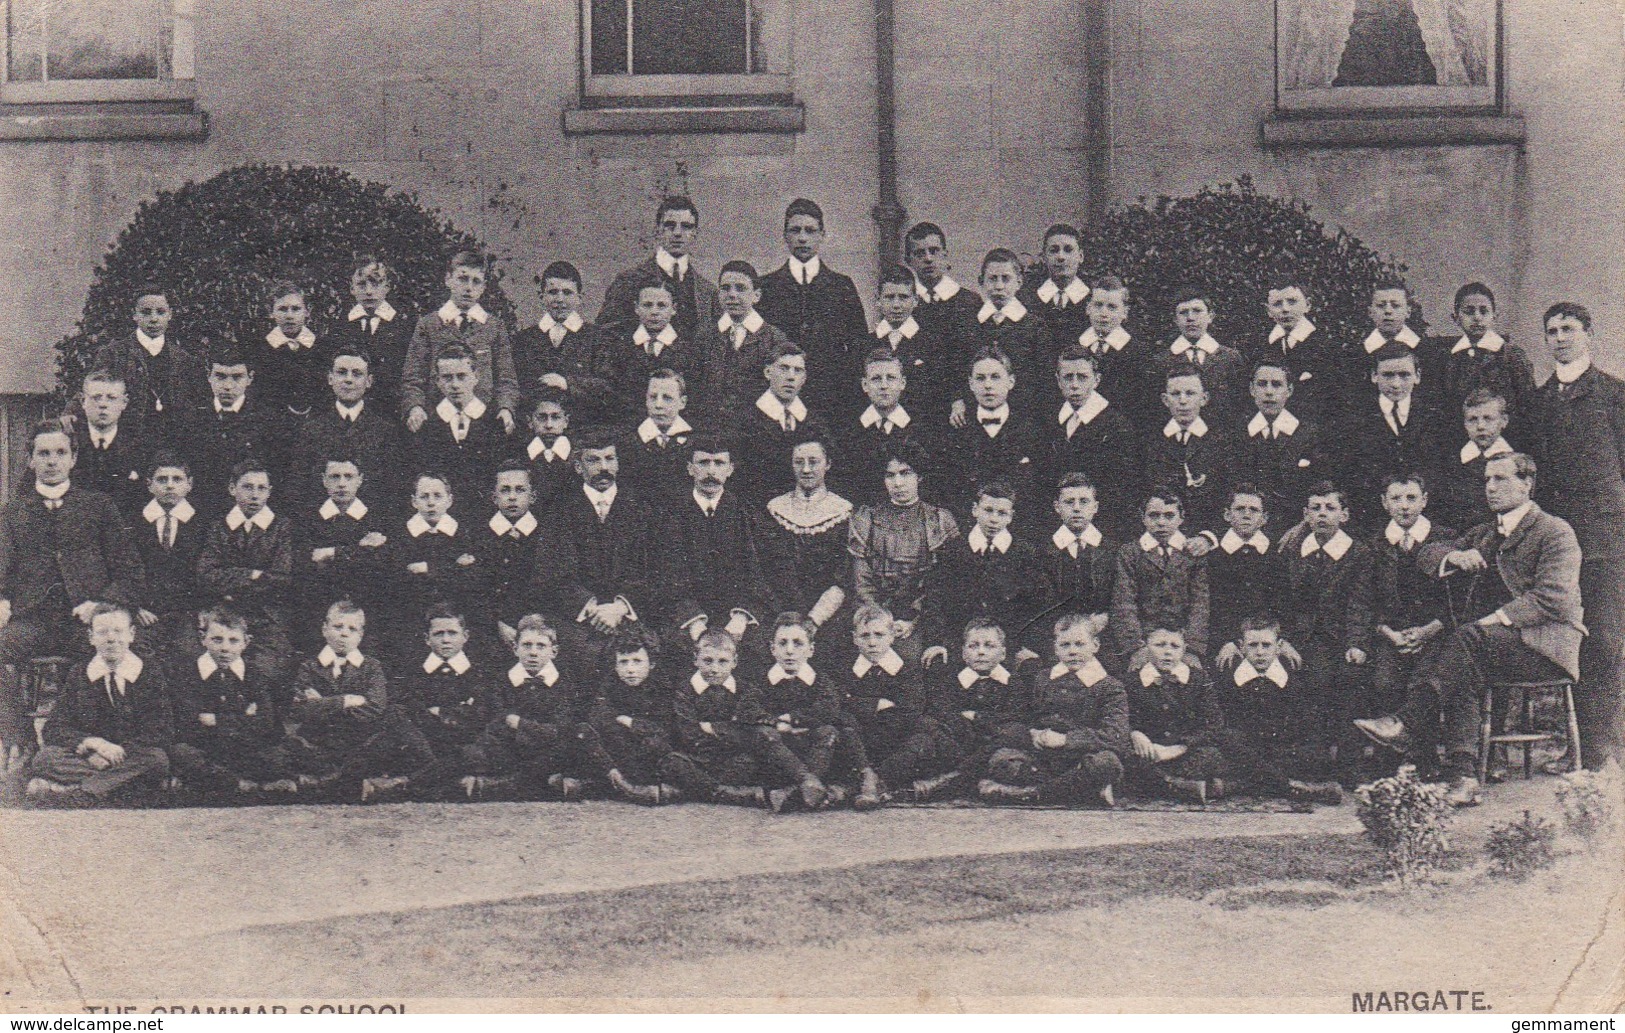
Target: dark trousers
(926, 752)
(1267, 759)
(1199, 763)
(635, 752)
(62, 765)
(38, 633)
(221, 763)
(743, 755)
(1453, 683)
(1062, 778)
(389, 744)
(1600, 702)
(533, 752)
(813, 750)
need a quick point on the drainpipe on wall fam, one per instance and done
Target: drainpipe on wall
(888, 211)
(1097, 130)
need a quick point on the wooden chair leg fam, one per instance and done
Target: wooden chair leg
(1528, 728)
(1486, 728)
(1574, 725)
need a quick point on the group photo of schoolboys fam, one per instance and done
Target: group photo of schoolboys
(763, 541)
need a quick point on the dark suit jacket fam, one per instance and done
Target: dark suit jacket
(616, 557)
(1011, 588)
(733, 376)
(141, 717)
(1403, 594)
(1224, 375)
(177, 381)
(695, 296)
(496, 384)
(119, 471)
(215, 442)
(825, 317)
(225, 568)
(1325, 599)
(1537, 568)
(1107, 451)
(1151, 591)
(577, 359)
(386, 348)
(83, 547)
(1201, 470)
(374, 440)
(1282, 467)
(712, 565)
(1507, 372)
(1093, 717)
(1367, 450)
(1582, 459)
(1084, 584)
(172, 585)
(1318, 371)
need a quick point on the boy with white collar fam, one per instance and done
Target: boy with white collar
(693, 297)
(997, 441)
(447, 695)
(1159, 583)
(656, 453)
(1394, 428)
(342, 707)
(1311, 359)
(889, 743)
(1077, 730)
(1177, 724)
(717, 722)
(975, 707)
(1268, 717)
(339, 545)
(112, 453)
(357, 423)
(229, 735)
(247, 562)
(1060, 297)
(803, 722)
(295, 361)
(376, 328)
(630, 717)
(1485, 418)
(1198, 455)
(1086, 432)
(528, 566)
(111, 725)
(562, 350)
(945, 308)
(228, 428)
(1280, 453)
(169, 536)
(987, 572)
(1120, 359)
(1080, 559)
(549, 447)
(1243, 574)
(920, 350)
(883, 383)
(1223, 369)
(464, 322)
(740, 343)
(1326, 606)
(634, 351)
(766, 432)
(164, 379)
(533, 738)
(1482, 358)
(460, 438)
(1004, 322)
(433, 562)
(1390, 313)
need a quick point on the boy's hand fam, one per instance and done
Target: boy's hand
(435, 711)
(420, 567)
(506, 416)
(84, 611)
(1173, 752)
(323, 554)
(146, 618)
(902, 629)
(625, 721)
(1355, 656)
(353, 700)
(933, 655)
(207, 720)
(610, 614)
(99, 762)
(1143, 746)
(416, 418)
(956, 414)
(5, 612)
(111, 752)
(1291, 656)
(1397, 639)
(312, 694)
(1024, 654)
(255, 575)
(1198, 545)
(1048, 739)
(556, 380)
(883, 704)
(512, 721)
(253, 708)
(697, 627)
(373, 540)
(705, 726)
(465, 560)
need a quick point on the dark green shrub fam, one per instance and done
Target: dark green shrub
(1407, 819)
(1230, 239)
(1518, 849)
(218, 245)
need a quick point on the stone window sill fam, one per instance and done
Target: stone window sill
(789, 117)
(1400, 131)
(110, 121)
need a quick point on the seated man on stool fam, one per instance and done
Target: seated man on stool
(1525, 588)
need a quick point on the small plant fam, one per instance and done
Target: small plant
(1588, 801)
(1518, 849)
(1406, 818)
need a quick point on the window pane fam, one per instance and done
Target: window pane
(689, 37)
(53, 40)
(609, 37)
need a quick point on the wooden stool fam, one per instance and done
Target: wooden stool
(1524, 740)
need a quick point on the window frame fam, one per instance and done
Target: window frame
(630, 88)
(179, 87)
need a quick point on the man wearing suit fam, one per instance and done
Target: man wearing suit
(1580, 417)
(1522, 597)
(62, 550)
(677, 222)
(613, 535)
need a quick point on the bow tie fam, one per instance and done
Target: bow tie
(990, 421)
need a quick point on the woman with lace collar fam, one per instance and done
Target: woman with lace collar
(808, 543)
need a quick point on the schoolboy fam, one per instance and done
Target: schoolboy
(1312, 360)
(815, 306)
(656, 453)
(230, 428)
(1198, 455)
(717, 725)
(694, 298)
(1390, 313)
(1077, 730)
(1159, 583)
(548, 449)
(448, 695)
(433, 560)
(1120, 360)
(1243, 569)
(162, 377)
(375, 328)
(863, 446)
(342, 706)
(247, 561)
(1091, 435)
(630, 717)
(464, 322)
(612, 529)
(765, 432)
(928, 361)
(562, 350)
(1460, 493)
(356, 424)
(893, 746)
(1079, 559)
(975, 708)
(461, 438)
(1326, 611)
(111, 725)
(652, 342)
(1223, 370)
(1393, 428)
(112, 457)
(1176, 721)
(1269, 737)
(527, 566)
(340, 545)
(802, 716)
(169, 536)
(1005, 323)
(988, 572)
(62, 550)
(228, 723)
(946, 308)
(997, 442)
(741, 342)
(535, 734)
(291, 368)
(1059, 298)
(1280, 453)
(1482, 358)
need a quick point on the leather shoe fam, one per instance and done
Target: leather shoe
(1463, 792)
(1328, 793)
(1385, 731)
(1189, 790)
(998, 792)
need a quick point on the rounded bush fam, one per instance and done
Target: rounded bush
(218, 246)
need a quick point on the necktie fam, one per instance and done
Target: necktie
(107, 684)
(459, 426)
(788, 423)
(371, 323)
(166, 531)
(1407, 542)
(1061, 300)
(462, 320)
(338, 669)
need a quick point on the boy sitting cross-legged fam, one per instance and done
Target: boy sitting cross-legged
(718, 727)
(973, 710)
(1176, 721)
(1076, 732)
(631, 720)
(892, 744)
(448, 696)
(341, 704)
(228, 734)
(533, 741)
(802, 718)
